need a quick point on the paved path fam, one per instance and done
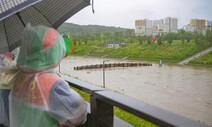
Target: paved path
(197, 55)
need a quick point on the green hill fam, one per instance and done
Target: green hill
(88, 29)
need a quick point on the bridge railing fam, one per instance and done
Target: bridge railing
(103, 100)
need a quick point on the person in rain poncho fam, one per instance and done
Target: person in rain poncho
(39, 97)
(8, 70)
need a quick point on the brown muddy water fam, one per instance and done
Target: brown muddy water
(182, 89)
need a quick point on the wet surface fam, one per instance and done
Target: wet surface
(185, 90)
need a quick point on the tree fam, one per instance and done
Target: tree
(170, 41)
(148, 40)
(159, 41)
(169, 37)
(208, 36)
(188, 36)
(183, 40)
(145, 38)
(98, 37)
(188, 39)
(198, 39)
(77, 39)
(107, 36)
(181, 35)
(118, 36)
(140, 39)
(85, 37)
(130, 35)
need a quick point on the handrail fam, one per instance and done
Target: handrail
(103, 100)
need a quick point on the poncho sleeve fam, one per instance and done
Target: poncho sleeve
(66, 105)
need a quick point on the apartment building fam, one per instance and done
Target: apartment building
(155, 27)
(140, 27)
(208, 25)
(173, 25)
(198, 25)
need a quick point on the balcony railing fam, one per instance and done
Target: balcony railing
(103, 100)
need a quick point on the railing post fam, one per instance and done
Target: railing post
(101, 113)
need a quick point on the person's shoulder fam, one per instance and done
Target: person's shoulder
(51, 81)
(48, 77)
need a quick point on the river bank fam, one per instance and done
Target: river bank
(149, 52)
(203, 61)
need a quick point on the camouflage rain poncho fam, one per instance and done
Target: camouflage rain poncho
(39, 97)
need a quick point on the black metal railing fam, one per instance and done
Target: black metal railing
(103, 100)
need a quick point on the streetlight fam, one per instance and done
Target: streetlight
(104, 72)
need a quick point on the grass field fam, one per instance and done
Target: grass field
(152, 52)
(205, 60)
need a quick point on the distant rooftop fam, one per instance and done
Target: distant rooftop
(112, 42)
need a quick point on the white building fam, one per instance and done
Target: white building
(140, 30)
(174, 25)
(189, 28)
(155, 27)
(170, 25)
(208, 24)
(149, 31)
(157, 22)
(143, 27)
(148, 23)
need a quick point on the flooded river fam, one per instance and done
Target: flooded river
(185, 90)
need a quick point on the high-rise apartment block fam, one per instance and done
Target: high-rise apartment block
(155, 27)
(198, 25)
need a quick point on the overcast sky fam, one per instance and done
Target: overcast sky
(123, 13)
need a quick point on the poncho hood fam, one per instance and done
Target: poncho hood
(42, 48)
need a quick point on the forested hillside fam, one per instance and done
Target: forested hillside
(88, 29)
